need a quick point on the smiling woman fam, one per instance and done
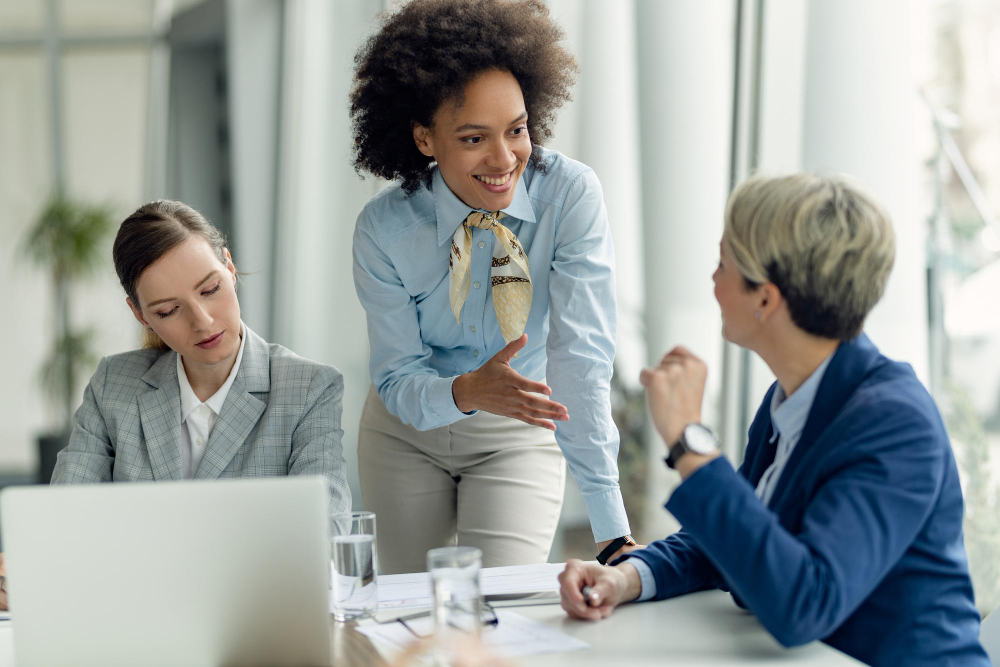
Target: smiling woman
(487, 274)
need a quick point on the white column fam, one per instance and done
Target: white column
(685, 55)
(860, 111)
(608, 106)
(253, 58)
(318, 312)
(600, 128)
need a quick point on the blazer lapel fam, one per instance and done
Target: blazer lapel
(160, 415)
(242, 410)
(760, 450)
(851, 363)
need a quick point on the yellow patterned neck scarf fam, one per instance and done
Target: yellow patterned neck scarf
(510, 275)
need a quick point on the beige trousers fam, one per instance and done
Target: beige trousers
(487, 481)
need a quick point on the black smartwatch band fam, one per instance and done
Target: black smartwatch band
(615, 545)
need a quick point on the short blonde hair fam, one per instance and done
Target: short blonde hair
(822, 241)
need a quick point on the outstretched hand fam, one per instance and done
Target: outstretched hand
(497, 388)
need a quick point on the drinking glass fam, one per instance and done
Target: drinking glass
(353, 565)
(455, 585)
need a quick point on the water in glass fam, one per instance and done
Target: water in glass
(352, 582)
(455, 583)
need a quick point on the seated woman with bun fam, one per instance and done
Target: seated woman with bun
(205, 397)
(844, 522)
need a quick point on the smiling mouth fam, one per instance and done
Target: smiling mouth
(495, 180)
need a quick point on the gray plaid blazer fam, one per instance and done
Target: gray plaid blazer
(281, 417)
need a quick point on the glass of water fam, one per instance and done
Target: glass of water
(353, 565)
(455, 584)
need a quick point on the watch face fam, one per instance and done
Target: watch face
(699, 439)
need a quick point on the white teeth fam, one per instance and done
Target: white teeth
(494, 181)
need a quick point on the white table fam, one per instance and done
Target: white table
(702, 628)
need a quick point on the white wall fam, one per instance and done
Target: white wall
(860, 118)
(319, 315)
(104, 128)
(24, 182)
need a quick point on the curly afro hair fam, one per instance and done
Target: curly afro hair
(426, 53)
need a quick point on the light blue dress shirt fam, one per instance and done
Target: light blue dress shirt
(788, 417)
(401, 247)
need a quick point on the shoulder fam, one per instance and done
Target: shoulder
(127, 366)
(556, 178)
(290, 371)
(892, 408)
(119, 377)
(393, 212)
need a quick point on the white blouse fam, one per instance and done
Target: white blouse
(199, 418)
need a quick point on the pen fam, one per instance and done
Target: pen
(588, 595)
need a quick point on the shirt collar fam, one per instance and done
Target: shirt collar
(451, 210)
(789, 414)
(190, 401)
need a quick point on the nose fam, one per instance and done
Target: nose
(501, 157)
(201, 319)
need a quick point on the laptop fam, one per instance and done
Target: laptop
(222, 572)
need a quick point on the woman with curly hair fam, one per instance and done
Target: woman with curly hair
(487, 274)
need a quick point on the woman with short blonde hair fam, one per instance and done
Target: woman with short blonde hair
(844, 522)
(827, 246)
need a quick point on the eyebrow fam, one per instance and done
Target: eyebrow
(470, 126)
(174, 298)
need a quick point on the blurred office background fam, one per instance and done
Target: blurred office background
(238, 107)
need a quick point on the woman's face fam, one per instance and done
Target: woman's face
(481, 143)
(737, 303)
(188, 298)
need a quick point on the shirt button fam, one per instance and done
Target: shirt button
(482, 245)
(472, 329)
(201, 441)
(476, 284)
(475, 353)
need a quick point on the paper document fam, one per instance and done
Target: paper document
(402, 592)
(514, 636)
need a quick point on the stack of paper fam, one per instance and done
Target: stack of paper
(400, 593)
(514, 636)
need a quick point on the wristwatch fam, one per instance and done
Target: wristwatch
(695, 438)
(612, 548)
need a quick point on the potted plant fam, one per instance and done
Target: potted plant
(67, 242)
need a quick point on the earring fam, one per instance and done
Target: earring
(756, 314)
(150, 329)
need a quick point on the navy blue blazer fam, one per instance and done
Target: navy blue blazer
(861, 545)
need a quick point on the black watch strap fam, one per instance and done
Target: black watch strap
(615, 545)
(677, 450)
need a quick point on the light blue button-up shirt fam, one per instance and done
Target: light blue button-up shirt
(788, 417)
(401, 247)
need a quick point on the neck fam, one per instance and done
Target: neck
(794, 356)
(207, 379)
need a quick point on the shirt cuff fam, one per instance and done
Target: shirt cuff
(441, 401)
(646, 579)
(607, 514)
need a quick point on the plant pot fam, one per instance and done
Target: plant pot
(48, 447)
